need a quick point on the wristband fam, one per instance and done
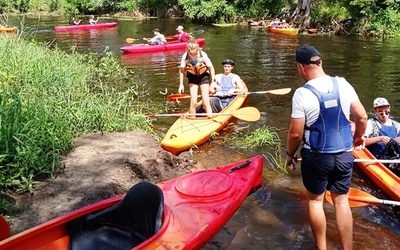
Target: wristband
(287, 153)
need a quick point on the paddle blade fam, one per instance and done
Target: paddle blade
(130, 40)
(352, 203)
(250, 114)
(357, 198)
(283, 91)
(177, 97)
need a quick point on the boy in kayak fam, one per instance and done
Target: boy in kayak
(92, 21)
(158, 39)
(223, 87)
(382, 135)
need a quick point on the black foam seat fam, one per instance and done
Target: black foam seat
(136, 218)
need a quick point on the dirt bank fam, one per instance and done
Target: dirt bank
(99, 167)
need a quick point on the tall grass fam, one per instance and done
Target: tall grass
(263, 137)
(49, 97)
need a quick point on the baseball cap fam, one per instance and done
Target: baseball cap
(180, 27)
(380, 102)
(158, 30)
(305, 53)
(228, 61)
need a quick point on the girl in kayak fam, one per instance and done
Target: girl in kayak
(182, 35)
(199, 69)
(73, 22)
(92, 21)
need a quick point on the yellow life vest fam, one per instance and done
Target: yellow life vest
(196, 69)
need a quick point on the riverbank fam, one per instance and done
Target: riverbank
(100, 166)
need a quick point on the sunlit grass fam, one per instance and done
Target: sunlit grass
(264, 137)
(49, 97)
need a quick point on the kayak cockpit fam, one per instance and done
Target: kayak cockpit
(136, 218)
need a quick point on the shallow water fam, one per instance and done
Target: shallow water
(275, 217)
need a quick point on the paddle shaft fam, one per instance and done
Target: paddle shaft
(371, 160)
(377, 160)
(246, 114)
(282, 91)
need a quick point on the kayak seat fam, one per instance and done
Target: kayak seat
(136, 218)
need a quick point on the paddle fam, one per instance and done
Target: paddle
(180, 97)
(4, 229)
(359, 198)
(377, 160)
(250, 114)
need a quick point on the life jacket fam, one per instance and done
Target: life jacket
(327, 133)
(378, 149)
(71, 22)
(196, 66)
(184, 37)
(226, 85)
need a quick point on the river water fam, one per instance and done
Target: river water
(276, 216)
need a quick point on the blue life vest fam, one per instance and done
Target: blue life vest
(331, 132)
(226, 85)
(378, 149)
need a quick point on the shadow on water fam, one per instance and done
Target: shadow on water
(275, 217)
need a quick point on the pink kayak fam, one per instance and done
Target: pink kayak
(86, 26)
(175, 45)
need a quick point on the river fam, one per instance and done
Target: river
(276, 216)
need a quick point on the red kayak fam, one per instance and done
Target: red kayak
(182, 213)
(86, 26)
(175, 45)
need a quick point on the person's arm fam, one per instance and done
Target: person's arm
(240, 87)
(182, 71)
(294, 138)
(162, 37)
(360, 120)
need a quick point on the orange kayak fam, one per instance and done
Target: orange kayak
(181, 213)
(285, 31)
(379, 174)
(188, 132)
(7, 29)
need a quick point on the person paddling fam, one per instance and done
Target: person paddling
(158, 39)
(182, 35)
(92, 21)
(73, 22)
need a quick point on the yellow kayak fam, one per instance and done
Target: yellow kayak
(188, 132)
(6, 29)
(379, 173)
(285, 31)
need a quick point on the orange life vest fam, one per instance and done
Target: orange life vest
(196, 69)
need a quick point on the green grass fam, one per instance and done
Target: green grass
(264, 137)
(49, 97)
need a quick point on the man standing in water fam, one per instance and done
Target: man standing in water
(320, 115)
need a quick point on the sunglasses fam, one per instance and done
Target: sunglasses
(386, 112)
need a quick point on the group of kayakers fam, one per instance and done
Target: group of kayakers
(159, 39)
(91, 20)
